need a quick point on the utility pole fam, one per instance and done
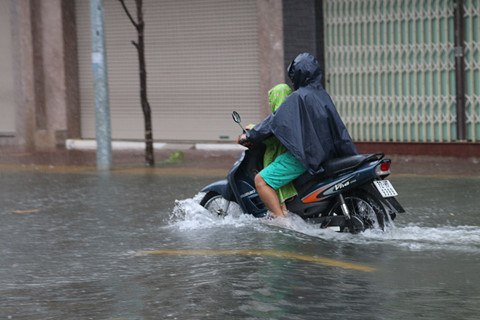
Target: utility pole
(102, 102)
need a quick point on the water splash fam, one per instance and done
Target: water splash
(188, 214)
(418, 238)
(294, 223)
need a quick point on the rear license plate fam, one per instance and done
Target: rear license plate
(385, 188)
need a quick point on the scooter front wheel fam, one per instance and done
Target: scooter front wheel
(215, 203)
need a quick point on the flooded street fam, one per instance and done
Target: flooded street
(84, 245)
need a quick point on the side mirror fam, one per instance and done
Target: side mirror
(236, 117)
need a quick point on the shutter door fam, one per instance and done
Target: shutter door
(202, 63)
(390, 68)
(7, 119)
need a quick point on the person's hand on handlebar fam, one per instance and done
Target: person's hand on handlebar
(242, 140)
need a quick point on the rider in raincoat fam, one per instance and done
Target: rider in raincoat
(308, 125)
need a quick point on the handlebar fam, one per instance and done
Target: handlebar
(244, 142)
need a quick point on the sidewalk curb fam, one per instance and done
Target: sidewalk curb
(80, 144)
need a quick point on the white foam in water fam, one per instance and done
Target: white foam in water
(418, 238)
(297, 224)
(188, 214)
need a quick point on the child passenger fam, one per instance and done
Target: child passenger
(274, 148)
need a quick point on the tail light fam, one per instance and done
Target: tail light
(383, 168)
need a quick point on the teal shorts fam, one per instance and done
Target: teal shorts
(284, 169)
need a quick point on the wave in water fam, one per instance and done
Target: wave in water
(189, 215)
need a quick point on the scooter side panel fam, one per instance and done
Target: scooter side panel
(240, 179)
(250, 199)
(333, 186)
(306, 210)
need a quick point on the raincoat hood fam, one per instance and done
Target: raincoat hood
(304, 70)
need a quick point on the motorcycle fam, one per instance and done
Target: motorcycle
(352, 193)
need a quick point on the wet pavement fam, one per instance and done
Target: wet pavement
(135, 244)
(213, 162)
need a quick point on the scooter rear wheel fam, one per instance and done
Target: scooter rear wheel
(363, 207)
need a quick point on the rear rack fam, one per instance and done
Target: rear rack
(375, 156)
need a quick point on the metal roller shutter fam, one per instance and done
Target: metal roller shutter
(202, 63)
(390, 67)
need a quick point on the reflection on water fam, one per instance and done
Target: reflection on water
(70, 244)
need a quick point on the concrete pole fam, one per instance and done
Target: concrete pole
(102, 103)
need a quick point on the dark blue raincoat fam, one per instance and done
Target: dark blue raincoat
(307, 123)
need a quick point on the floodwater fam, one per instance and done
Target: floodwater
(138, 246)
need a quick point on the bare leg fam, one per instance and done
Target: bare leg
(268, 196)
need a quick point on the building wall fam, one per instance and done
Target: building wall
(7, 99)
(299, 25)
(44, 73)
(40, 99)
(204, 59)
(207, 53)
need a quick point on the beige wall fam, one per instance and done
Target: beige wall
(7, 116)
(44, 73)
(270, 47)
(44, 108)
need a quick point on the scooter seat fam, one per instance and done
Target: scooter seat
(337, 166)
(334, 167)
